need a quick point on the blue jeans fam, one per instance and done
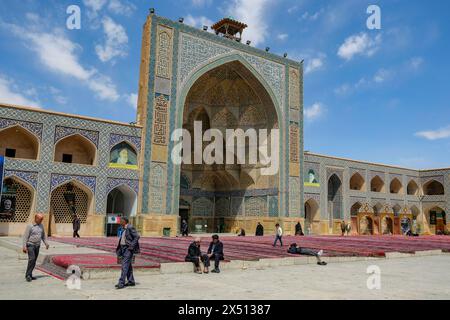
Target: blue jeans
(277, 237)
(127, 267)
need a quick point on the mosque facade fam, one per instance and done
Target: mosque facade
(60, 164)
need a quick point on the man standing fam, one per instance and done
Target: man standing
(343, 227)
(128, 246)
(215, 252)
(76, 223)
(259, 230)
(278, 235)
(298, 229)
(32, 238)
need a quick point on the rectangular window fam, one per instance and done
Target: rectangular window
(67, 158)
(10, 153)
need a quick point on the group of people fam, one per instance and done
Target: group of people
(128, 247)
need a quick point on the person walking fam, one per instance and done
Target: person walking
(127, 247)
(76, 223)
(184, 228)
(278, 235)
(34, 234)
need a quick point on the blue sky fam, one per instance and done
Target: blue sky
(375, 95)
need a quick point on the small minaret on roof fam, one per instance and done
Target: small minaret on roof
(229, 28)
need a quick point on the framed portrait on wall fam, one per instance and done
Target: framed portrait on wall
(123, 156)
(311, 179)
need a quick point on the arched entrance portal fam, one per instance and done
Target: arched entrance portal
(229, 96)
(312, 218)
(65, 201)
(122, 202)
(387, 226)
(366, 225)
(334, 199)
(436, 218)
(354, 217)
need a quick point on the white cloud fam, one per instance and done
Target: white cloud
(57, 96)
(58, 54)
(442, 133)
(252, 13)
(132, 99)
(201, 3)
(103, 87)
(115, 43)
(381, 75)
(315, 63)
(118, 7)
(282, 36)
(312, 16)
(359, 44)
(198, 22)
(343, 89)
(9, 93)
(314, 112)
(95, 5)
(415, 63)
(292, 9)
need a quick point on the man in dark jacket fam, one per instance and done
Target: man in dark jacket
(184, 228)
(298, 229)
(127, 247)
(76, 223)
(295, 249)
(215, 252)
(195, 254)
(259, 230)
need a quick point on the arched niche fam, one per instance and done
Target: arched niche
(75, 149)
(122, 201)
(18, 142)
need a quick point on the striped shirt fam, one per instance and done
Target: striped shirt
(34, 234)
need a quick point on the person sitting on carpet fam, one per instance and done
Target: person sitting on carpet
(259, 230)
(241, 233)
(295, 249)
(215, 252)
(195, 254)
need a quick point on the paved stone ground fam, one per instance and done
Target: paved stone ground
(406, 278)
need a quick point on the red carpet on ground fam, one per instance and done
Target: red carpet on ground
(157, 250)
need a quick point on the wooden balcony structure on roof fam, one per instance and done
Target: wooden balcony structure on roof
(229, 28)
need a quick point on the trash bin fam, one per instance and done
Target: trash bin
(166, 232)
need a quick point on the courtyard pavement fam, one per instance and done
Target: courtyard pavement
(425, 277)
